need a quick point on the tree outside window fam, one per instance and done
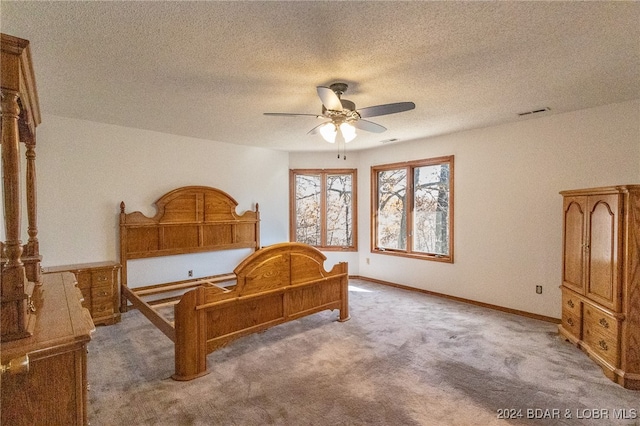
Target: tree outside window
(323, 208)
(412, 209)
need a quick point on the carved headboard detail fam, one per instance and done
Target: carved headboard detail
(191, 219)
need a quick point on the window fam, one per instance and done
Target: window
(323, 208)
(412, 209)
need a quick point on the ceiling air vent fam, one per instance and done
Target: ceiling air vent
(535, 111)
(389, 140)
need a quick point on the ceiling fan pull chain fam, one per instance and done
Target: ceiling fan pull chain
(343, 145)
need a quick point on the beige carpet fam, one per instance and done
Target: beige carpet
(404, 358)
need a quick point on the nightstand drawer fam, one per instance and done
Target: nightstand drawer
(102, 277)
(100, 310)
(84, 279)
(101, 301)
(101, 293)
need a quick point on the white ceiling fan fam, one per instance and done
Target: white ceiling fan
(343, 118)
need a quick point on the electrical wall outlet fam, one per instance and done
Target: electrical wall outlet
(539, 289)
(190, 273)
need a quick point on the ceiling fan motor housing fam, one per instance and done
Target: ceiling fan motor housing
(346, 104)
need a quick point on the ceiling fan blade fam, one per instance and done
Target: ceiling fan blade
(385, 109)
(286, 114)
(329, 99)
(316, 129)
(369, 126)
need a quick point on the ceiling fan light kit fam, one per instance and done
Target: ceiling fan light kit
(330, 131)
(343, 117)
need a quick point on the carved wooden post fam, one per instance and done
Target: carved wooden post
(32, 248)
(123, 258)
(20, 116)
(14, 307)
(191, 336)
(344, 292)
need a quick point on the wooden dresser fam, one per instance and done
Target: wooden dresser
(44, 330)
(99, 283)
(601, 278)
(54, 389)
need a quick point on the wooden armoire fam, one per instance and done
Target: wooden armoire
(44, 330)
(601, 278)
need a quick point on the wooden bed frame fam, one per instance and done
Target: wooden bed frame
(271, 286)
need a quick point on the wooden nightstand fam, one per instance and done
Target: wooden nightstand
(99, 283)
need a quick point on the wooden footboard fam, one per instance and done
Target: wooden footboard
(276, 284)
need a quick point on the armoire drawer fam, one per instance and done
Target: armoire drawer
(600, 321)
(572, 314)
(600, 333)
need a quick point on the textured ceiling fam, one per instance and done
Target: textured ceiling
(210, 69)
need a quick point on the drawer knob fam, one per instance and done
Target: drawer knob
(570, 303)
(30, 305)
(603, 345)
(570, 321)
(103, 293)
(102, 278)
(603, 322)
(18, 365)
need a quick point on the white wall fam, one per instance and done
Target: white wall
(508, 214)
(507, 208)
(85, 169)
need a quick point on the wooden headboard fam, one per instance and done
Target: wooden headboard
(191, 219)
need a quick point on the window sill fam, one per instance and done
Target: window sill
(431, 257)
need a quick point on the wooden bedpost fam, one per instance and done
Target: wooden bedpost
(123, 258)
(257, 227)
(344, 290)
(191, 336)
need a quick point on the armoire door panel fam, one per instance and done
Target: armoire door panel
(602, 282)
(574, 243)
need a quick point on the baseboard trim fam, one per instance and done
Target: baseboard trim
(461, 299)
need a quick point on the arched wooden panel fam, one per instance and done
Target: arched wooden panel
(574, 243)
(603, 250)
(191, 219)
